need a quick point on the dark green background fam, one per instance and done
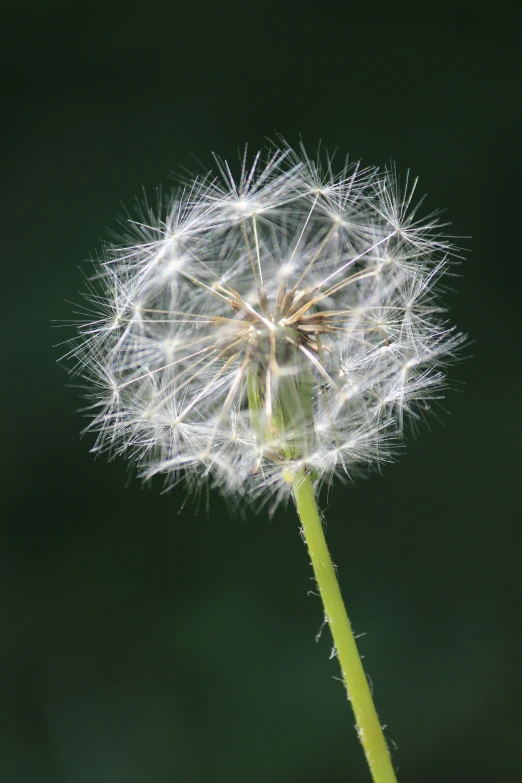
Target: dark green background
(141, 641)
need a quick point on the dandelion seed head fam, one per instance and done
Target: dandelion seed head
(251, 328)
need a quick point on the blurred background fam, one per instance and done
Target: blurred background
(143, 639)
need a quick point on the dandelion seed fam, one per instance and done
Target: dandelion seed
(295, 302)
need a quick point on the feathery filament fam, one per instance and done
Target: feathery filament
(285, 321)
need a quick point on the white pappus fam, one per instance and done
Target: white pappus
(283, 321)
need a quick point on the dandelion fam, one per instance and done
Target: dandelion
(268, 334)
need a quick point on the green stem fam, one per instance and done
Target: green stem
(368, 726)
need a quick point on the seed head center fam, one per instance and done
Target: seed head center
(271, 331)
